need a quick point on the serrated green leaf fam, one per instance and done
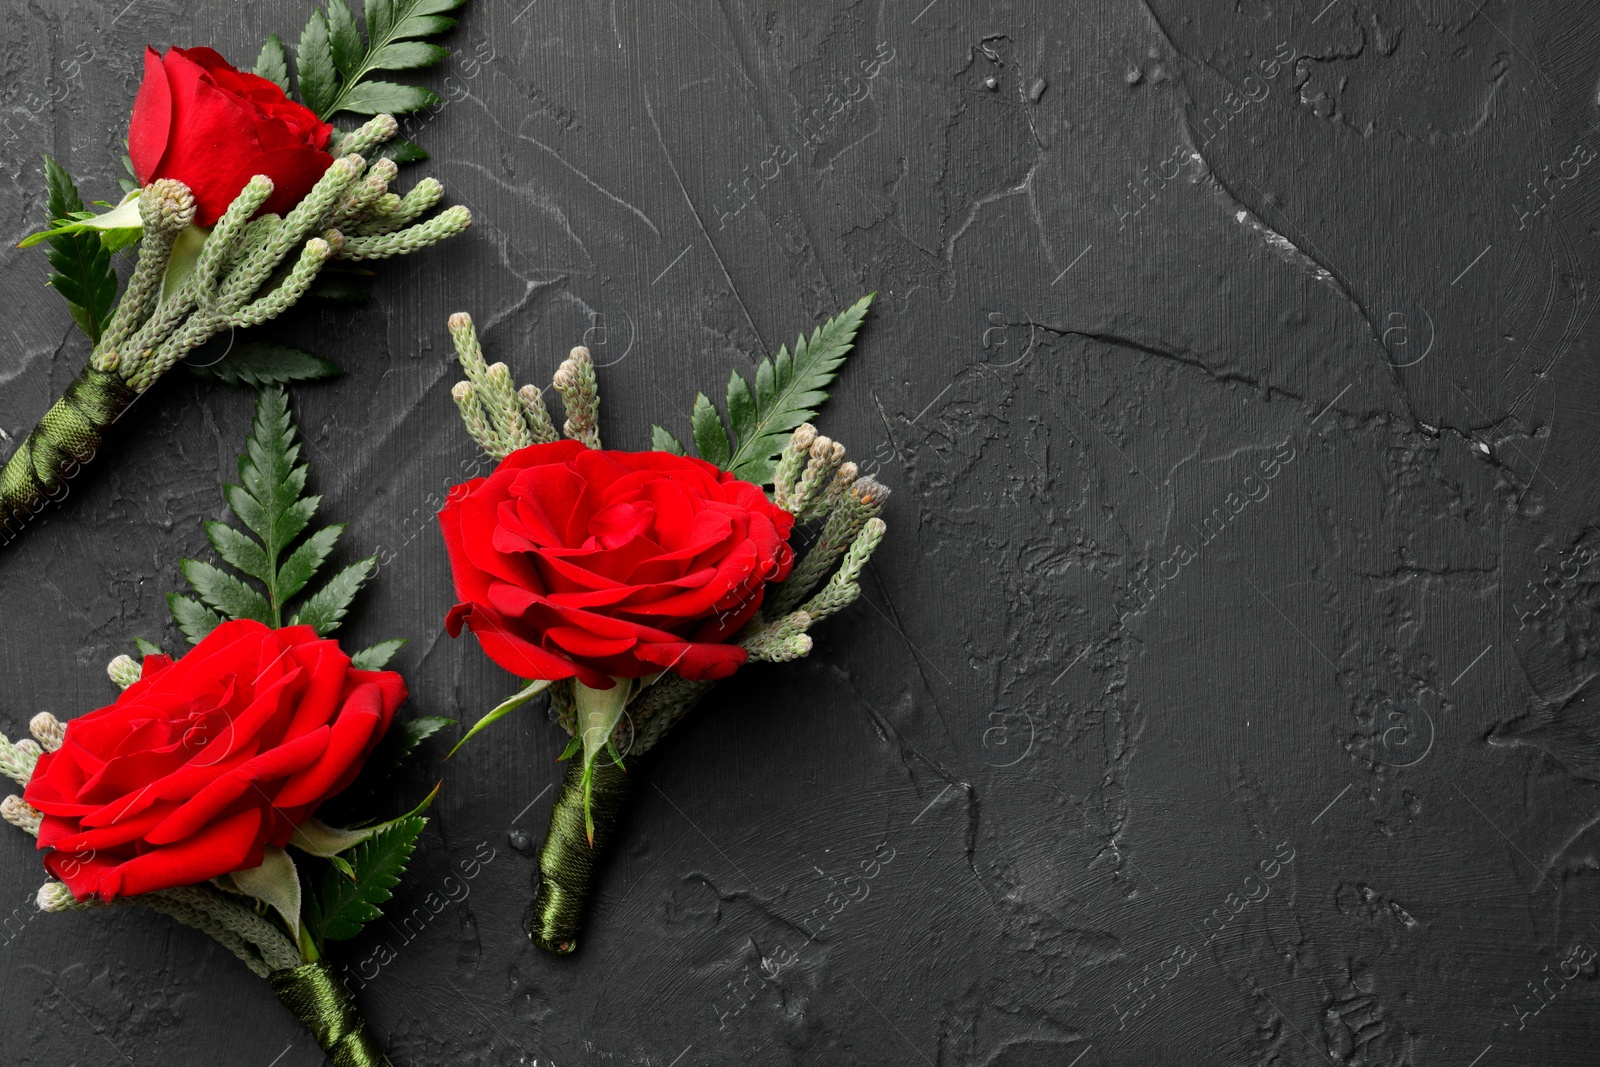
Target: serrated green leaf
(323, 610)
(319, 78)
(406, 55)
(344, 39)
(273, 63)
(394, 32)
(147, 648)
(80, 262)
(386, 98)
(741, 405)
(662, 441)
(348, 903)
(376, 657)
(259, 363)
(788, 391)
(304, 562)
(239, 551)
(710, 438)
(268, 500)
(194, 619)
(224, 593)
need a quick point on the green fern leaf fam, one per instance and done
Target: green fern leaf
(325, 608)
(194, 619)
(394, 41)
(789, 389)
(225, 594)
(269, 502)
(319, 78)
(386, 98)
(344, 40)
(273, 63)
(239, 551)
(261, 363)
(80, 262)
(347, 904)
(304, 562)
(377, 657)
(662, 441)
(146, 648)
(710, 439)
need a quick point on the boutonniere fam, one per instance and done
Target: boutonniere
(236, 787)
(625, 584)
(243, 197)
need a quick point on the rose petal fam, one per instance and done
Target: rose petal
(151, 123)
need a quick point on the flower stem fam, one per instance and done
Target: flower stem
(567, 861)
(68, 436)
(319, 1001)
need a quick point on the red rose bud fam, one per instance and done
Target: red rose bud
(577, 562)
(202, 122)
(206, 760)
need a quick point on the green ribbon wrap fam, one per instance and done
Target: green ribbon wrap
(68, 436)
(317, 999)
(567, 862)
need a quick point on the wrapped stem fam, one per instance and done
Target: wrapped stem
(567, 861)
(317, 999)
(68, 436)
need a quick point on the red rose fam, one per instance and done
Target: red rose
(204, 761)
(213, 128)
(576, 562)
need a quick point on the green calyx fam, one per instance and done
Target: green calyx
(598, 713)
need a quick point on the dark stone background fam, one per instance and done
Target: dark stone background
(1233, 369)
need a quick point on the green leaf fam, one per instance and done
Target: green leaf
(741, 405)
(788, 391)
(304, 562)
(343, 38)
(710, 439)
(147, 648)
(260, 363)
(403, 151)
(395, 29)
(194, 619)
(347, 903)
(225, 594)
(506, 707)
(239, 551)
(275, 881)
(319, 78)
(323, 610)
(273, 63)
(662, 441)
(406, 55)
(386, 98)
(80, 262)
(376, 657)
(269, 500)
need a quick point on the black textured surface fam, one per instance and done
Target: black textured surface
(1233, 366)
